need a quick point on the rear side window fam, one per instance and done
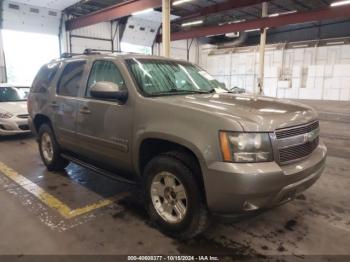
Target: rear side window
(107, 71)
(69, 82)
(44, 77)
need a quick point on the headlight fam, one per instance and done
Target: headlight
(245, 147)
(5, 115)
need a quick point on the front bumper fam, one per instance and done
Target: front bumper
(14, 126)
(240, 188)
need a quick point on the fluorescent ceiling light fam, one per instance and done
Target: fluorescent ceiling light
(179, 2)
(232, 35)
(236, 21)
(143, 11)
(252, 30)
(232, 22)
(198, 22)
(336, 43)
(243, 50)
(283, 13)
(339, 3)
(299, 46)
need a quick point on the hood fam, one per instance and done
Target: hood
(254, 113)
(16, 108)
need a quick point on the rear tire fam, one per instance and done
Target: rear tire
(173, 198)
(50, 150)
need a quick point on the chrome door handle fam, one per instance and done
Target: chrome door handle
(85, 110)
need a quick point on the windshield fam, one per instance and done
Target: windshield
(13, 94)
(162, 77)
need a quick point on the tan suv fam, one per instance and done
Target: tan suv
(196, 148)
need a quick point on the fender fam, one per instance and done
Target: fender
(167, 137)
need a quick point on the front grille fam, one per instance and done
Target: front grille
(296, 151)
(25, 116)
(299, 151)
(24, 127)
(297, 130)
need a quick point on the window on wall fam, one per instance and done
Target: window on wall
(127, 47)
(25, 53)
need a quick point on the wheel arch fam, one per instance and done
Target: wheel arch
(39, 120)
(153, 145)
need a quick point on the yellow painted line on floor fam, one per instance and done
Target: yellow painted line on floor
(49, 199)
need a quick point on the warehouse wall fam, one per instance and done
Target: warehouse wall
(29, 18)
(179, 50)
(306, 73)
(98, 36)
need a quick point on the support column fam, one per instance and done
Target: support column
(262, 52)
(166, 27)
(3, 76)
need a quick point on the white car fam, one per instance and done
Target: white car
(13, 110)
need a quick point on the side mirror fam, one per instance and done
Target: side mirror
(108, 90)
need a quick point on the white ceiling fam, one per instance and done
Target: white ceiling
(52, 4)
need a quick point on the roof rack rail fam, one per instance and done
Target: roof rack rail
(67, 55)
(92, 51)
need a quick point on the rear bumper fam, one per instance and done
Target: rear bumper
(241, 188)
(14, 126)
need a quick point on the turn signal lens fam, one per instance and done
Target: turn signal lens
(225, 146)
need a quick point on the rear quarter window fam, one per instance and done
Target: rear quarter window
(44, 77)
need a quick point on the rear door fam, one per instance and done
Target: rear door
(65, 103)
(104, 127)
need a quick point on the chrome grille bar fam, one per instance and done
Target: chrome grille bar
(297, 142)
(298, 130)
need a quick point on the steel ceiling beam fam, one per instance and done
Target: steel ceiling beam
(113, 12)
(296, 18)
(221, 7)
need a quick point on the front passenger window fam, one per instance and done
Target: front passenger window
(105, 71)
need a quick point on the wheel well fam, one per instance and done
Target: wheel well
(152, 147)
(39, 120)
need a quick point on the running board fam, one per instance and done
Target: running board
(98, 170)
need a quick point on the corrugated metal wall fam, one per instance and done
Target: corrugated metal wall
(305, 73)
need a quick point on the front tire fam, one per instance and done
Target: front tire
(50, 150)
(173, 198)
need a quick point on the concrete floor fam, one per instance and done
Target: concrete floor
(317, 223)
